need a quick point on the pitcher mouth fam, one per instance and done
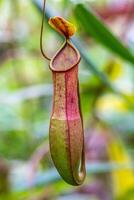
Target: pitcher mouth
(66, 58)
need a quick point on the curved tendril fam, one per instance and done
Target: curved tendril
(41, 34)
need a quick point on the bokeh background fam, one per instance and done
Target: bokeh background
(105, 38)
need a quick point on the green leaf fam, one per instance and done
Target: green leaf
(93, 26)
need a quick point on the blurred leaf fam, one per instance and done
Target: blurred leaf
(128, 195)
(118, 154)
(93, 26)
